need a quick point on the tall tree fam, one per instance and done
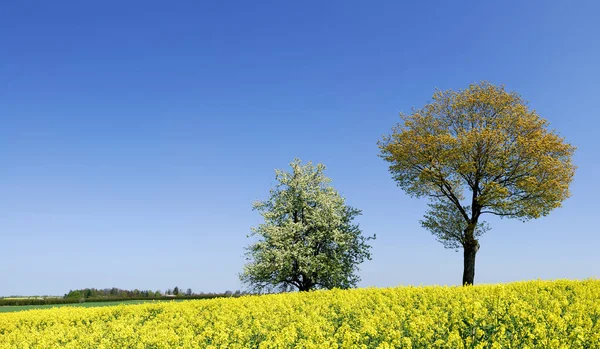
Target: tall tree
(308, 239)
(488, 142)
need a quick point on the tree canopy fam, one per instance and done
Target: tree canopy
(485, 141)
(308, 239)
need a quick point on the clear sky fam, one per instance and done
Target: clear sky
(134, 136)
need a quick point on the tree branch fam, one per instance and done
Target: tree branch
(450, 195)
(497, 213)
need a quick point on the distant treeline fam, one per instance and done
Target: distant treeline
(111, 293)
(115, 295)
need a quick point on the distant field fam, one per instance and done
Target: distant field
(12, 308)
(24, 298)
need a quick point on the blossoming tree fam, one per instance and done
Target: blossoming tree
(308, 239)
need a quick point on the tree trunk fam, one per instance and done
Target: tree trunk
(470, 246)
(306, 284)
(470, 250)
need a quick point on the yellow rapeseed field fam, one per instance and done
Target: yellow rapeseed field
(535, 314)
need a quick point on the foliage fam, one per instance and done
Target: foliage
(308, 239)
(110, 293)
(445, 222)
(536, 314)
(487, 140)
(484, 140)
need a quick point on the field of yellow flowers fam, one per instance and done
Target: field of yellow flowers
(535, 314)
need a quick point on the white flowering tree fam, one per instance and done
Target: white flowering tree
(308, 240)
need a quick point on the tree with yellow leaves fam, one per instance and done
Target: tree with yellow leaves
(487, 142)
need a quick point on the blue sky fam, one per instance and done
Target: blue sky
(136, 135)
